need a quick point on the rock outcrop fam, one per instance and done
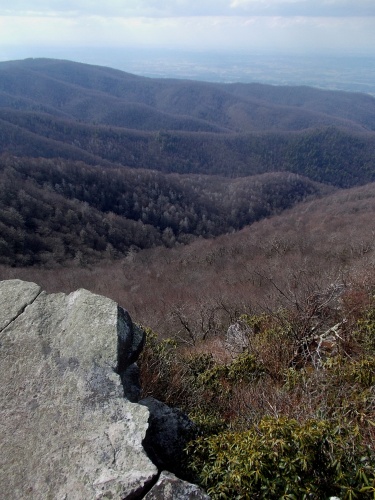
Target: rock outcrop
(67, 429)
(237, 337)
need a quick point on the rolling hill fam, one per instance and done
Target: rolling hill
(55, 211)
(53, 108)
(109, 97)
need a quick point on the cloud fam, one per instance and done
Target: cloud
(229, 33)
(311, 8)
(117, 8)
(188, 8)
(240, 25)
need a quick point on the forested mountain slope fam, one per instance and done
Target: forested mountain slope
(111, 97)
(52, 108)
(282, 260)
(327, 155)
(53, 211)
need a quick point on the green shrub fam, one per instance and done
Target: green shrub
(364, 332)
(208, 423)
(213, 389)
(294, 378)
(272, 340)
(244, 368)
(362, 372)
(280, 458)
(199, 363)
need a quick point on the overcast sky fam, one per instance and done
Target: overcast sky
(233, 25)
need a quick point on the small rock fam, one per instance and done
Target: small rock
(169, 487)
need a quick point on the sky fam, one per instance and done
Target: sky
(302, 26)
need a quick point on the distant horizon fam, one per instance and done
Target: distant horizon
(338, 71)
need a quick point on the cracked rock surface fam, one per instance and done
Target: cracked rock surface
(14, 298)
(67, 432)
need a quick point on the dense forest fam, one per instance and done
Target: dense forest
(52, 108)
(329, 154)
(54, 211)
(236, 224)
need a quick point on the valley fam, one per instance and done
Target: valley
(201, 207)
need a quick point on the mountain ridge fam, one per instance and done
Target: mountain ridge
(76, 81)
(52, 108)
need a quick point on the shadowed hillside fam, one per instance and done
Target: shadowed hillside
(54, 108)
(326, 155)
(53, 211)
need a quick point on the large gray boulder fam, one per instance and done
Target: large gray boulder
(67, 431)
